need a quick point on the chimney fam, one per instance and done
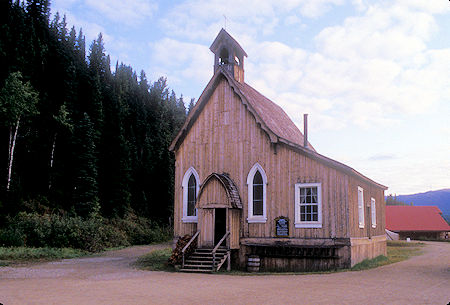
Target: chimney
(305, 130)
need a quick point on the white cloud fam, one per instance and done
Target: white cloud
(129, 12)
(372, 69)
(180, 60)
(202, 19)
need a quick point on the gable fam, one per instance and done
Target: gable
(219, 191)
(270, 117)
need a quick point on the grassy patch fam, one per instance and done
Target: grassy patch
(397, 251)
(10, 255)
(155, 260)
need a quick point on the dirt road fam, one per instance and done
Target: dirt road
(109, 279)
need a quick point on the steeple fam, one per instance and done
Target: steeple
(229, 55)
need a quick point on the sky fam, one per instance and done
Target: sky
(374, 76)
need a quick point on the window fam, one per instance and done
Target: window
(190, 191)
(361, 206)
(257, 183)
(374, 212)
(308, 205)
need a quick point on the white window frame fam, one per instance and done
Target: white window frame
(256, 218)
(308, 224)
(184, 185)
(373, 211)
(360, 207)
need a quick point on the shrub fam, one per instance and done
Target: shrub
(91, 234)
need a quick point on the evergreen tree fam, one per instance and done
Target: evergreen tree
(85, 195)
(191, 105)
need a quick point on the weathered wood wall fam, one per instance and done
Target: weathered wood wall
(213, 195)
(225, 138)
(370, 191)
(206, 227)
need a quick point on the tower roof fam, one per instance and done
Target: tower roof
(222, 39)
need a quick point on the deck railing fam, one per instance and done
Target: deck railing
(187, 246)
(217, 247)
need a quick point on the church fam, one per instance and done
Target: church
(254, 194)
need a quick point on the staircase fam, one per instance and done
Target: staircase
(202, 260)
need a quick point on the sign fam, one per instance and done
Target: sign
(282, 226)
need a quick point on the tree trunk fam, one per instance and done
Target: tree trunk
(52, 157)
(12, 145)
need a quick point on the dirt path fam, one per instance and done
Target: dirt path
(109, 279)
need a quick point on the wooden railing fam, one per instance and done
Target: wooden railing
(217, 247)
(187, 246)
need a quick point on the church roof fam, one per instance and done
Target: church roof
(272, 115)
(269, 117)
(223, 38)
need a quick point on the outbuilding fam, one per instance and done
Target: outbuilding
(417, 222)
(251, 189)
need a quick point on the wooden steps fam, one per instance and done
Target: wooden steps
(202, 260)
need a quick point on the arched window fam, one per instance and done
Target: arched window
(257, 182)
(190, 191)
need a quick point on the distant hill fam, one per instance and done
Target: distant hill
(440, 198)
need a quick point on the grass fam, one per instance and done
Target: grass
(155, 260)
(14, 255)
(397, 251)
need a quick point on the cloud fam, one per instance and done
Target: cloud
(382, 157)
(180, 60)
(129, 12)
(371, 70)
(202, 19)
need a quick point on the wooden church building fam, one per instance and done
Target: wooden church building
(250, 189)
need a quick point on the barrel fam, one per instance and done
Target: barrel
(253, 263)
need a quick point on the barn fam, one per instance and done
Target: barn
(417, 222)
(252, 191)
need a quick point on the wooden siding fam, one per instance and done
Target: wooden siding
(369, 192)
(234, 219)
(225, 138)
(213, 195)
(206, 227)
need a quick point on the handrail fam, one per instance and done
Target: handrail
(187, 245)
(217, 247)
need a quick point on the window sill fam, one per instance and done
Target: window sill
(257, 219)
(189, 219)
(361, 227)
(374, 226)
(308, 225)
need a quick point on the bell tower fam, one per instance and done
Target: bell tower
(229, 55)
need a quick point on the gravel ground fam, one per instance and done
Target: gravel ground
(109, 279)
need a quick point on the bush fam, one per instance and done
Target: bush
(92, 234)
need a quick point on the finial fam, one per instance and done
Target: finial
(225, 21)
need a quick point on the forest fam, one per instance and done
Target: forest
(82, 145)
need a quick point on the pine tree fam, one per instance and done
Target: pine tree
(191, 105)
(86, 200)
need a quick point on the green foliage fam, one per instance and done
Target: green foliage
(17, 99)
(30, 254)
(95, 142)
(92, 234)
(155, 260)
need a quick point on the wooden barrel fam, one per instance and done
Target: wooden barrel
(253, 263)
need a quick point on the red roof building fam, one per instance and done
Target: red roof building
(416, 222)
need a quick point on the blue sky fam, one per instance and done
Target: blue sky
(373, 75)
